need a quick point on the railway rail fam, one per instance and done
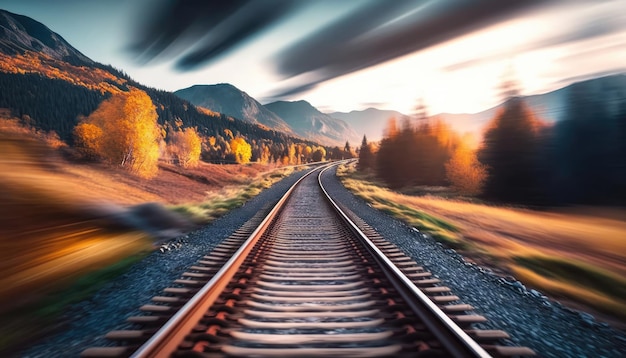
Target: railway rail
(309, 279)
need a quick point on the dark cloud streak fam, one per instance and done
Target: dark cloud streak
(178, 24)
(433, 23)
(208, 27)
(247, 22)
(376, 32)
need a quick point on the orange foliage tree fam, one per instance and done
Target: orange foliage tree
(186, 146)
(464, 172)
(123, 130)
(241, 150)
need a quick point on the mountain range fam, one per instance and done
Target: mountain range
(309, 122)
(370, 122)
(299, 118)
(228, 99)
(23, 39)
(50, 85)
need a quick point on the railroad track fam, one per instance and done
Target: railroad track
(307, 281)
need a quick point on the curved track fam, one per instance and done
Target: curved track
(307, 281)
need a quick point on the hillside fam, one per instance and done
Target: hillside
(309, 122)
(229, 100)
(48, 84)
(369, 121)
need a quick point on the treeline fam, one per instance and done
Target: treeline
(55, 105)
(581, 159)
(49, 104)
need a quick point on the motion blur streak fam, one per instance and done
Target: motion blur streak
(180, 25)
(375, 32)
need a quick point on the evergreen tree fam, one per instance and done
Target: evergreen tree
(510, 152)
(588, 156)
(365, 155)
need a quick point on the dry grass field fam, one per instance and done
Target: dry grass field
(573, 255)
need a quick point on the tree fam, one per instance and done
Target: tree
(391, 130)
(464, 172)
(123, 130)
(510, 152)
(241, 150)
(589, 161)
(186, 146)
(347, 150)
(319, 154)
(366, 158)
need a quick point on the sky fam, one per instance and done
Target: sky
(348, 55)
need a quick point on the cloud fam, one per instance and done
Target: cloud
(377, 33)
(208, 28)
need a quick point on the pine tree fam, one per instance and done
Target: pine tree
(510, 152)
(366, 158)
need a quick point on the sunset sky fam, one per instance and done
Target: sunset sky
(345, 55)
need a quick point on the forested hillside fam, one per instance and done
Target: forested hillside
(46, 92)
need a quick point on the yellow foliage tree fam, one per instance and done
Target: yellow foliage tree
(241, 149)
(466, 174)
(88, 138)
(123, 130)
(186, 146)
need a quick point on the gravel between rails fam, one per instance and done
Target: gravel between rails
(529, 317)
(89, 320)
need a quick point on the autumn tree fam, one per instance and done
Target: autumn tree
(123, 130)
(414, 156)
(241, 150)
(319, 154)
(464, 172)
(186, 146)
(366, 158)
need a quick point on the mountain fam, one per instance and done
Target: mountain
(228, 99)
(550, 107)
(19, 34)
(312, 124)
(369, 122)
(50, 85)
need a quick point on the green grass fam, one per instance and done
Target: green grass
(219, 203)
(366, 187)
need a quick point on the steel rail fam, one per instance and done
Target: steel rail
(166, 340)
(447, 331)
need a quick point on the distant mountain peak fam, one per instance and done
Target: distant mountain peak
(309, 122)
(19, 34)
(230, 100)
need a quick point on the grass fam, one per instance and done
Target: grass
(367, 188)
(220, 202)
(578, 256)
